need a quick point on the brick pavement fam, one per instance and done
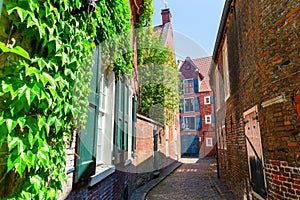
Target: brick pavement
(192, 181)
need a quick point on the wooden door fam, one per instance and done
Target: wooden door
(255, 154)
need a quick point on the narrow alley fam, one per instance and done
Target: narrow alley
(194, 179)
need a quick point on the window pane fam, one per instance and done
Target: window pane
(189, 123)
(188, 86)
(188, 105)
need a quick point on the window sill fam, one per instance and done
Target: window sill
(127, 162)
(102, 172)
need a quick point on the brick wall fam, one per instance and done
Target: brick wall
(112, 187)
(263, 56)
(283, 180)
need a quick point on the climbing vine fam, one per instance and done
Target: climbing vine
(158, 74)
(47, 55)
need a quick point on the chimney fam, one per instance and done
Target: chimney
(166, 16)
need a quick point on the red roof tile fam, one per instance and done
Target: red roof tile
(203, 65)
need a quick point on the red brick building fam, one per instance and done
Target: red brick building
(256, 77)
(196, 114)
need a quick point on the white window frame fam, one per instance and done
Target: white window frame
(224, 137)
(217, 88)
(205, 99)
(226, 70)
(186, 80)
(208, 119)
(209, 142)
(189, 129)
(104, 166)
(192, 99)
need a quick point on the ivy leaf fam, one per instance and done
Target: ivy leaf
(43, 157)
(45, 78)
(30, 159)
(21, 12)
(12, 159)
(3, 134)
(21, 121)
(6, 87)
(42, 123)
(51, 120)
(16, 50)
(29, 96)
(11, 124)
(32, 70)
(31, 138)
(20, 164)
(58, 125)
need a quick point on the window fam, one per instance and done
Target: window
(208, 119)
(93, 140)
(188, 86)
(226, 70)
(191, 86)
(189, 123)
(207, 100)
(189, 105)
(209, 142)
(125, 122)
(224, 137)
(217, 88)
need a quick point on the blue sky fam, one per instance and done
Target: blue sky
(195, 25)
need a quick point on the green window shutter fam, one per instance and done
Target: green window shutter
(134, 120)
(126, 116)
(88, 136)
(119, 114)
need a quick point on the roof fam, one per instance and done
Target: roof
(203, 65)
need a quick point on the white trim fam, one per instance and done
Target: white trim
(207, 97)
(128, 161)
(251, 110)
(207, 143)
(226, 70)
(206, 119)
(275, 100)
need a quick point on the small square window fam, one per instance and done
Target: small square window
(209, 142)
(207, 119)
(207, 100)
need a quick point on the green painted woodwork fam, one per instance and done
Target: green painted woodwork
(88, 136)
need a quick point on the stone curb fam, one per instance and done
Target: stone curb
(141, 193)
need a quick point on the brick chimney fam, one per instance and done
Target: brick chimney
(166, 16)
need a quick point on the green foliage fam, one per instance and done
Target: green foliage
(42, 97)
(158, 74)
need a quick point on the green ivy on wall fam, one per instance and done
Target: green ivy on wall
(158, 73)
(45, 80)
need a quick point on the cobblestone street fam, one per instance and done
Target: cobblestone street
(193, 180)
